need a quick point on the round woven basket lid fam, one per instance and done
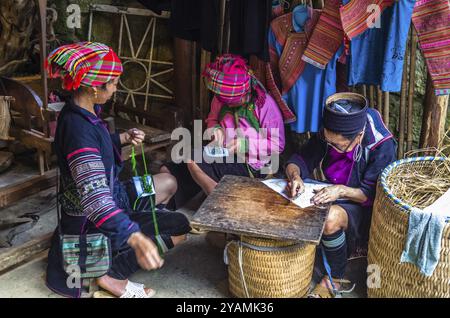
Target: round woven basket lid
(352, 97)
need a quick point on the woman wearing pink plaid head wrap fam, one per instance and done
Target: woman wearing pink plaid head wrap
(231, 80)
(244, 119)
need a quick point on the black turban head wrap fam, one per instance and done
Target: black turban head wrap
(345, 113)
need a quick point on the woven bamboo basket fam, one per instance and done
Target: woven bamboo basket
(270, 269)
(387, 237)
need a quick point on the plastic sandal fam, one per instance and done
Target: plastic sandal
(132, 290)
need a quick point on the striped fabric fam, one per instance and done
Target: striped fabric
(356, 14)
(327, 36)
(288, 114)
(431, 19)
(86, 63)
(96, 252)
(88, 172)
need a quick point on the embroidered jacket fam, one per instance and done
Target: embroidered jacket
(89, 160)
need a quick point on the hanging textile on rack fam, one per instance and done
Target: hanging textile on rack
(327, 36)
(304, 87)
(431, 19)
(356, 14)
(377, 54)
(291, 66)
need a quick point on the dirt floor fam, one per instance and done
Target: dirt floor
(195, 269)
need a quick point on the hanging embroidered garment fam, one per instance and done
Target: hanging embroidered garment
(290, 66)
(303, 86)
(377, 54)
(357, 15)
(327, 36)
(431, 19)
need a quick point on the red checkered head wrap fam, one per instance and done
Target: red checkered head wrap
(88, 64)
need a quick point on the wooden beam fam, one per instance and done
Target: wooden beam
(16, 255)
(19, 190)
(33, 139)
(434, 114)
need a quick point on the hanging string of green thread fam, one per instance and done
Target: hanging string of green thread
(148, 188)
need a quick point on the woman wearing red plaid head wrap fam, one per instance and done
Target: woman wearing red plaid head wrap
(93, 199)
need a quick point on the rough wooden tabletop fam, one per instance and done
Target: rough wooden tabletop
(246, 206)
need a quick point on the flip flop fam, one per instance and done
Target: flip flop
(132, 290)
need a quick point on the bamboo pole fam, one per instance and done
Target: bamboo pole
(379, 100)
(402, 111)
(412, 78)
(371, 96)
(386, 109)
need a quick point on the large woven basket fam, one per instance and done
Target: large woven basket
(387, 238)
(270, 269)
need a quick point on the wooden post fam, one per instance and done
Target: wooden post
(434, 114)
(182, 77)
(412, 78)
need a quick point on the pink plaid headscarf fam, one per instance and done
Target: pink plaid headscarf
(230, 78)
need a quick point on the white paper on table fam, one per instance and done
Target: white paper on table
(441, 206)
(304, 200)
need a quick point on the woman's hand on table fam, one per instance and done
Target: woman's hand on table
(147, 254)
(134, 136)
(328, 195)
(295, 185)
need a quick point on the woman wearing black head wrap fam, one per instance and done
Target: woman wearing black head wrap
(352, 149)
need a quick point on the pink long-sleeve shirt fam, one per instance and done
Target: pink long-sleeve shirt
(270, 140)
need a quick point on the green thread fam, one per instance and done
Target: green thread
(148, 188)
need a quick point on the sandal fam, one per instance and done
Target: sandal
(132, 290)
(321, 291)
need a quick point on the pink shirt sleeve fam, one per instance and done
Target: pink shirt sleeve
(213, 116)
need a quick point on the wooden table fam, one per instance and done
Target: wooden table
(246, 206)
